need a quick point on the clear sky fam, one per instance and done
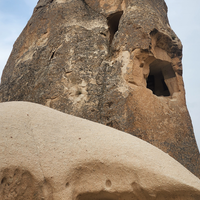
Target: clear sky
(184, 18)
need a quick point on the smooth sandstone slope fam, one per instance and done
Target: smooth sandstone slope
(46, 154)
(115, 62)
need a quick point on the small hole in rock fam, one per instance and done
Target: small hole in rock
(152, 33)
(110, 104)
(142, 65)
(113, 23)
(52, 55)
(3, 180)
(103, 34)
(16, 172)
(78, 92)
(108, 183)
(67, 184)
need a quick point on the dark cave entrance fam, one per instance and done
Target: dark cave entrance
(113, 23)
(162, 78)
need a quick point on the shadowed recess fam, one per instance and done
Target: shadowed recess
(113, 23)
(161, 79)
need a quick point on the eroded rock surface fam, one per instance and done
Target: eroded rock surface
(54, 156)
(115, 62)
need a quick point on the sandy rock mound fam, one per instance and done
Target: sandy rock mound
(51, 155)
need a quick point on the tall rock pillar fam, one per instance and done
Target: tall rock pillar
(115, 62)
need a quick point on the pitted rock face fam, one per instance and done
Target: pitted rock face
(114, 62)
(54, 156)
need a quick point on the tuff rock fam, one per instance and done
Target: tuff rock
(55, 156)
(114, 62)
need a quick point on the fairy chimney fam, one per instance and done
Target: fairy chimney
(114, 62)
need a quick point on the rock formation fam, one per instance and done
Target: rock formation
(53, 156)
(114, 62)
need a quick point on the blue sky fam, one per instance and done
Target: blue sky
(184, 18)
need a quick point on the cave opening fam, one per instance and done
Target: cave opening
(162, 78)
(113, 23)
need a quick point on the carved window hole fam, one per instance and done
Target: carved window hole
(162, 79)
(113, 23)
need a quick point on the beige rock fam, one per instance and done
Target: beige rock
(46, 154)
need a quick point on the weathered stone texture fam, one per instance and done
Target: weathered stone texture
(49, 155)
(115, 62)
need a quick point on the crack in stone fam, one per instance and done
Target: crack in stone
(103, 88)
